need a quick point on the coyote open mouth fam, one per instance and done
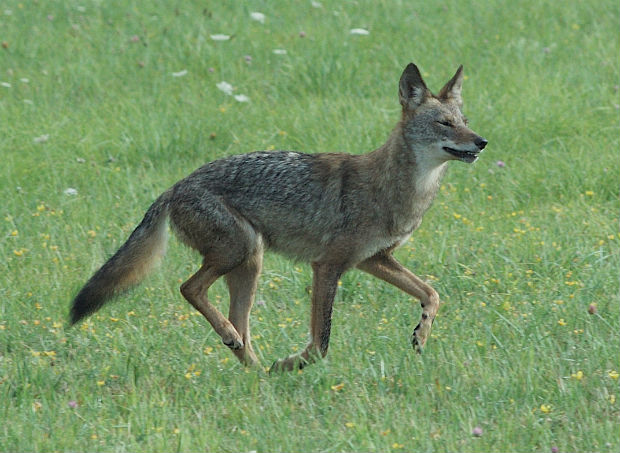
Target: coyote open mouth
(467, 156)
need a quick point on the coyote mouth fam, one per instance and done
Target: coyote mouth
(465, 156)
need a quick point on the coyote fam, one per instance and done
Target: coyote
(337, 211)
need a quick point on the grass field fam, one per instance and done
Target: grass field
(103, 106)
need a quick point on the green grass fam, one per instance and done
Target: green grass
(517, 253)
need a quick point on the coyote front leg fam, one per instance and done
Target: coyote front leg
(324, 286)
(385, 267)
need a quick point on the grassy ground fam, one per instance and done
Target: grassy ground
(95, 98)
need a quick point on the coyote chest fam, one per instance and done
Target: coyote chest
(410, 208)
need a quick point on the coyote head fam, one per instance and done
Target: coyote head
(433, 125)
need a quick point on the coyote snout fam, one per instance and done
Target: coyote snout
(336, 211)
(467, 151)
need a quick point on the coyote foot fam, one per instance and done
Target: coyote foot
(416, 341)
(232, 339)
(417, 347)
(291, 363)
(246, 356)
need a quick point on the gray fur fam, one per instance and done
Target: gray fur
(336, 211)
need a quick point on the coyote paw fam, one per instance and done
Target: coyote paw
(417, 347)
(233, 343)
(246, 356)
(291, 363)
(232, 340)
(416, 341)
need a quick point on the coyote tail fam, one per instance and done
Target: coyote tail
(129, 265)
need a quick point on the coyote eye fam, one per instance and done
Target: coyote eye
(446, 123)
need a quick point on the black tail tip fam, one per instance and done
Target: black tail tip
(81, 307)
(90, 299)
(75, 316)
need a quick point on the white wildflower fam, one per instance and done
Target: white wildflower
(24, 80)
(5, 84)
(359, 31)
(71, 191)
(241, 98)
(180, 73)
(316, 4)
(259, 17)
(225, 87)
(41, 138)
(220, 37)
(279, 51)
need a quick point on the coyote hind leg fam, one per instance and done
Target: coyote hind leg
(242, 282)
(224, 239)
(194, 291)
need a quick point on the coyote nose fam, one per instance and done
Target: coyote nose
(481, 143)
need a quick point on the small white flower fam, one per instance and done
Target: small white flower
(180, 73)
(24, 80)
(71, 191)
(241, 98)
(359, 31)
(80, 160)
(41, 138)
(220, 37)
(81, 9)
(316, 4)
(279, 51)
(259, 17)
(5, 84)
(225, 87)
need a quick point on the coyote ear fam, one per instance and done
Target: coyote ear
(452, 90)
(412, 91)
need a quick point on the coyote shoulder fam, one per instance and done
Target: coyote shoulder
(336, 211)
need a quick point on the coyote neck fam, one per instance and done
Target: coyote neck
(407, 178)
